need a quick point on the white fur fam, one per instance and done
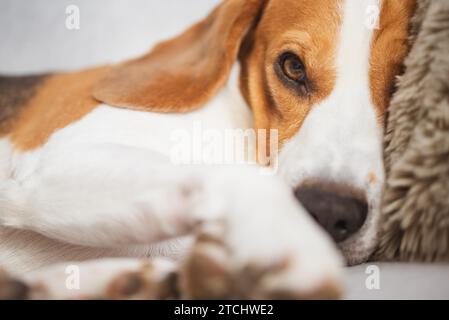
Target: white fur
(341, 139)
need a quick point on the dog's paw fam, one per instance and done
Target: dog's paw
(213, 271)
(123, 279)
(266, 247)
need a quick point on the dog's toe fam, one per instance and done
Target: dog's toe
(214, 270)
(155, 280)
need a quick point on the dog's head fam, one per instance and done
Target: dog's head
(320, 72)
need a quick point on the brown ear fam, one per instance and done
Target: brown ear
(183, 73)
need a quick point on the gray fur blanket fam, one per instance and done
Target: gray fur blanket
(416, 200)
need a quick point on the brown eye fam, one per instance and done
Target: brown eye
(292, 67)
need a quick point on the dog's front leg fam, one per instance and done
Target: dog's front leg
(104, 196)
(253, 240)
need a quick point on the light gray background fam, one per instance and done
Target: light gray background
(34, 38)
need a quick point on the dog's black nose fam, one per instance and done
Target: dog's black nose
(339, 214)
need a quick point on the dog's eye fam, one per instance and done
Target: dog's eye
(292, 67)
(292, 72)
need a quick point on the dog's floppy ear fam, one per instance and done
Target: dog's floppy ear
(183, 73)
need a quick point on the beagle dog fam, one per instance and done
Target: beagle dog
(85, 157)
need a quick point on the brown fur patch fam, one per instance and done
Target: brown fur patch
(389, 49)
(205, 274)
(61, 100)
(183, 73)
(307, 28)
(14, 93)
(144, 284)
(12, 289)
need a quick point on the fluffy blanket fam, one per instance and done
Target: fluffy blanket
(416, 200)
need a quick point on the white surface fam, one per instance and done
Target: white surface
(33, 38)
(400, 281)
